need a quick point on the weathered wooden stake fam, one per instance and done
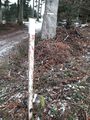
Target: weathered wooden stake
(31, 65)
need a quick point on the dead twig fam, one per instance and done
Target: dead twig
(66, 37)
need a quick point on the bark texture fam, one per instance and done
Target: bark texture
(0, 13)
(20, 11)
(50, 19)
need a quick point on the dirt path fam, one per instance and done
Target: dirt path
(7, 42)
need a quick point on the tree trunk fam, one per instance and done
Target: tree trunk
(0, 16)
(0, 12)
(20, 12)
(33, 10)
(50, 19)
(38, 10)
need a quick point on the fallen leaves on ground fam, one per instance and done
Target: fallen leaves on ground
(60, 80)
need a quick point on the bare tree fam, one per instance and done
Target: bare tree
(50, 19)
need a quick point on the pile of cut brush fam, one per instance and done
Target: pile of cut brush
(61, 80)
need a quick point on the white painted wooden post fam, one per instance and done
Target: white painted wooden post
(31, 65)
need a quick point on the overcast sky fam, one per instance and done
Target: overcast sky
(13, 1)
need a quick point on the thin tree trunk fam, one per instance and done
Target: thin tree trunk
(50, 19)
(38, 10)
(0, 12)
(20, 11)
(33, 10)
